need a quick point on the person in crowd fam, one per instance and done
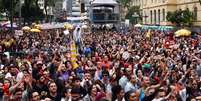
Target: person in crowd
(77, 85)
(53, 94)
(131, 85)
(118, 93)
(140, 65)
(35, 96)
(132, 96)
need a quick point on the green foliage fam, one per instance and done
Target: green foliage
(1, 6)
(180, 17)
(30, 9)
(32, 13)
(50, 3)
(125, 3)
(6, 6)
(131, 11)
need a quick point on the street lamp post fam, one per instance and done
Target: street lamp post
(135, 15)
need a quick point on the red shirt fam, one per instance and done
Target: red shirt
(166, 44)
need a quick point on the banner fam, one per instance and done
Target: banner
(19, 32)
(74, 55)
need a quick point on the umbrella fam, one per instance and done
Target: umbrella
(182, 32)
(26, 28)
(33, 24)
(68, 26)
(35, 30)
(37, 26)
(138, 25)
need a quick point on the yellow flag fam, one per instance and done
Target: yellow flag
(74, 55)
(148, 35)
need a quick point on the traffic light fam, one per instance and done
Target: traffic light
(82, 8)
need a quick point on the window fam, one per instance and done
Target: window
(145, 2)
(145, 17)
(151, 17)
(154, 16)
(159, 16)
(163, 14)
(195, 13)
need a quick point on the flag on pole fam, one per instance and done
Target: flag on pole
(74, 55)
(148, 35)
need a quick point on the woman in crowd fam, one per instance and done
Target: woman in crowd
(108, 66)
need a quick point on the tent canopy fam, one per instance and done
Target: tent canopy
(104, 2)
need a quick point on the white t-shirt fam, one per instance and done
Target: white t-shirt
(8, 75)
(125, 55)
(159, 99)
(19, 76)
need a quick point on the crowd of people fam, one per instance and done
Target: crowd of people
(111, 66)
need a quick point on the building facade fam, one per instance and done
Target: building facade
(154, 12)
(74, 8)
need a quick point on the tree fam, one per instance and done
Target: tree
(31, 11)
(180, 17)
(133, 10)
(125, 3)
(124, 6)
(6, 5)
(188, 17)
(1, 6)
(48, 3)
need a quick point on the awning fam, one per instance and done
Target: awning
(104, 2)
(76, 14)
(9, 25)
(52, 26)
